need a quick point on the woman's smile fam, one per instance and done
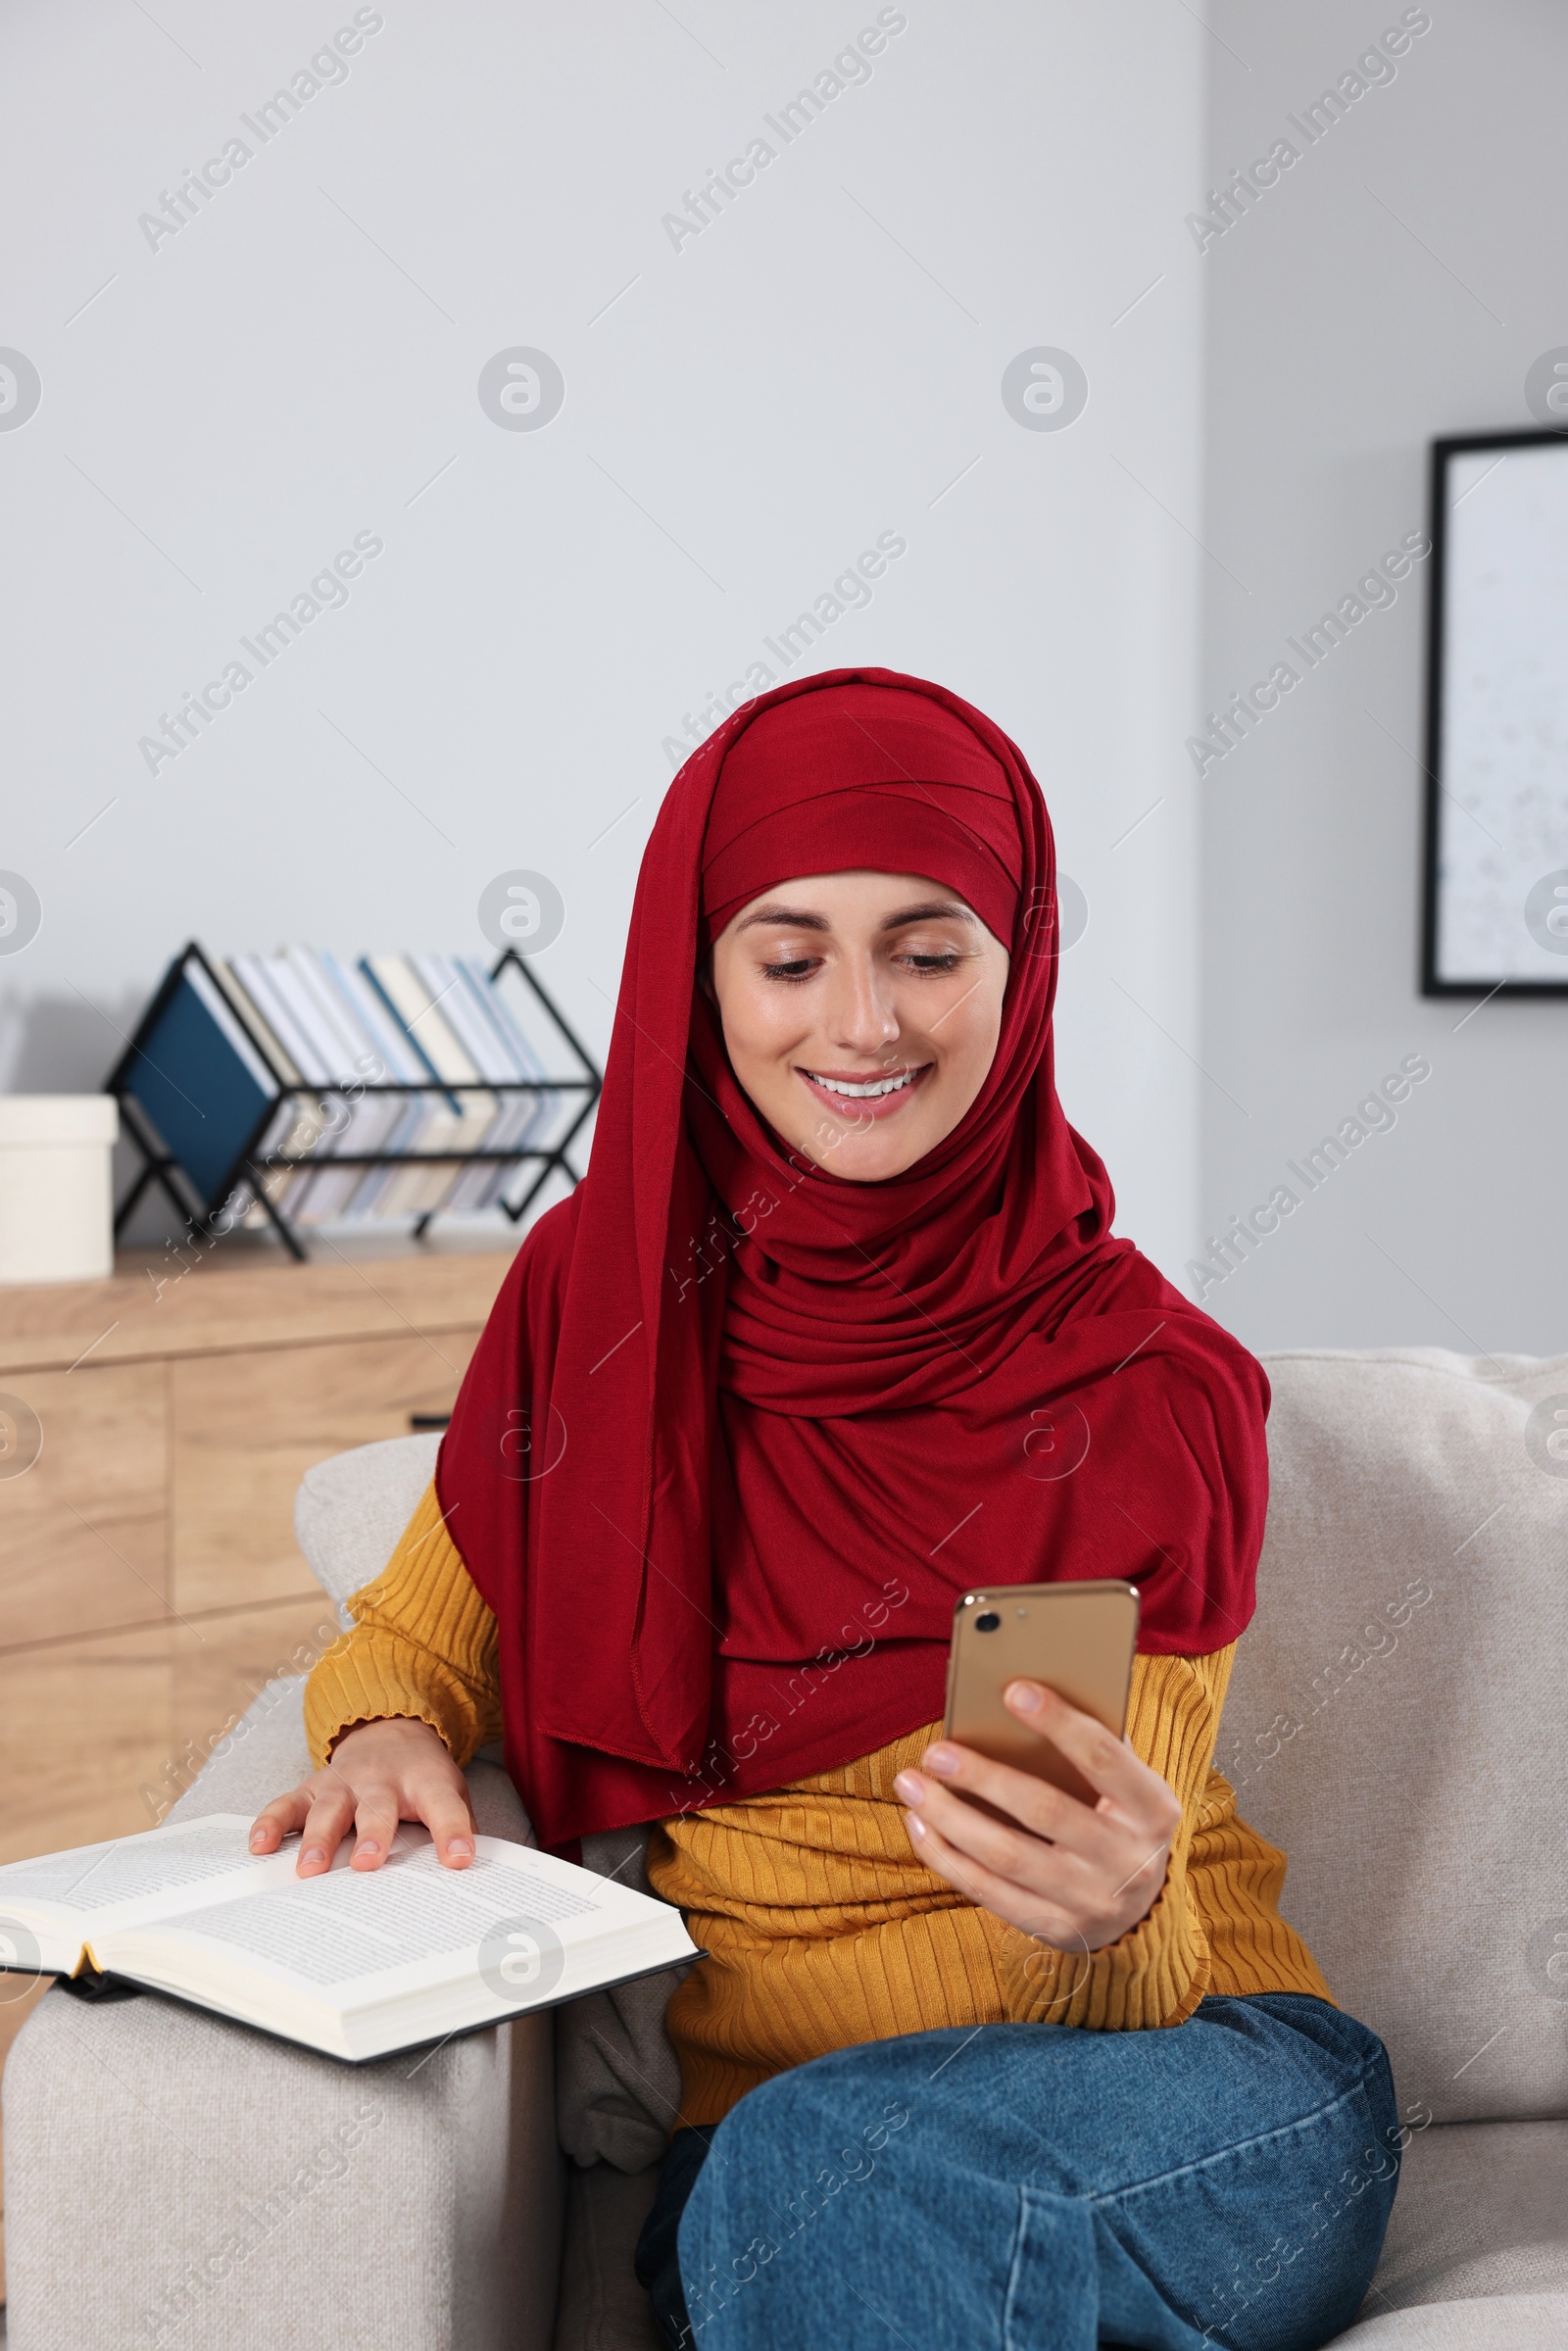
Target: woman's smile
(864, 1094)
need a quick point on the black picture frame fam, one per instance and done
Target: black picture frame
(1443, 454)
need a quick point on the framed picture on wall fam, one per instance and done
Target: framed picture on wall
(1496, 756)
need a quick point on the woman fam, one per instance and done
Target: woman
(834, 1328)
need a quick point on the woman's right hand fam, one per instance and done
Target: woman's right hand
(378, 1773)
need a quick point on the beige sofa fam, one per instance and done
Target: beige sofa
(1397, 1721)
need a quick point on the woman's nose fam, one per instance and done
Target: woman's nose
(860, 1015)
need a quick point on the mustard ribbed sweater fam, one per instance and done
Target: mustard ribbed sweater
(822, 1927)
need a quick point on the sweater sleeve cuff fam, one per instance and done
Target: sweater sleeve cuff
(422, 1647)
(1156, 1974)
(367, 1675)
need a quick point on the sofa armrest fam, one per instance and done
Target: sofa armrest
(172, 2179)
(350, 1509)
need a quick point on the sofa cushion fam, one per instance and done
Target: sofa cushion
(1395, 1718)
(1501, 2322)
(1482, 2209)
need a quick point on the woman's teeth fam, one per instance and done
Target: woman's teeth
(861, 1093)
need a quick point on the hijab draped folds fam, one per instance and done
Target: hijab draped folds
(740, 1431)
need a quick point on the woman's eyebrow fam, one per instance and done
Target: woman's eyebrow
(797, 919)
(793, 917)
(935, 909)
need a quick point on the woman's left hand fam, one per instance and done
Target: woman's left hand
(1073, 1875)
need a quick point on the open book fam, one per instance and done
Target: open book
(353, 1963)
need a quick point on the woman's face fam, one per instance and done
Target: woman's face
(861, 1012)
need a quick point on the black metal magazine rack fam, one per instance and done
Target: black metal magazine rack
(214, 1181)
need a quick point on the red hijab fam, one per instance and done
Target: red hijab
(739, 1431)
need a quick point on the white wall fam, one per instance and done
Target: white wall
(1393, 286)
(300, 360)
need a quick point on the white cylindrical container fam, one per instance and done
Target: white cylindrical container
(56, 1188)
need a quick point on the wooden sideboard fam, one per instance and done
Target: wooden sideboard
(150, 1583)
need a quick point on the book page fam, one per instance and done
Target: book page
(124, 1870)
(410, 1913)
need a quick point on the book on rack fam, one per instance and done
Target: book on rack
(208, 1119)
(431, 1119)
(490, 1052)
(479, 1114)
(282, 1185)
(313, 1193)
(354, 1963)
(371, 1121)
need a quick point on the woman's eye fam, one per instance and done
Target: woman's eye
(943, 962)
(798, 970)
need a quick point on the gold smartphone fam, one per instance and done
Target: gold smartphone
(1079, 1638)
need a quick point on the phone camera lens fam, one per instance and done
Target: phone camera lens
(987, 1621)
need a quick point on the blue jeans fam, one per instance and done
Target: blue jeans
(1039, 2188)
